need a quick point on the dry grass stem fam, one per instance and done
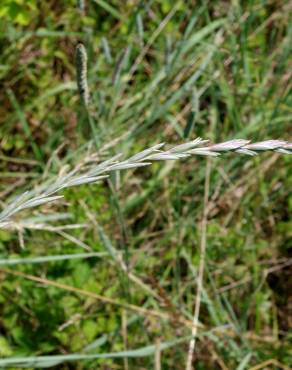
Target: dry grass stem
(203, 245)
(131, 307)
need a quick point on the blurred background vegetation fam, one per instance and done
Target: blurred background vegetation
(158, 71)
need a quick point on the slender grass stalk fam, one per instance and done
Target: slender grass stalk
(95, 173)
(203, 246)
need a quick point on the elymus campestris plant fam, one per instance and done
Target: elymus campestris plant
(78, 176)
(81, 72)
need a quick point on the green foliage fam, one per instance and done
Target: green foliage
(20, 12)
(217, 70)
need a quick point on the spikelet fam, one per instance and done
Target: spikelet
(81, 70)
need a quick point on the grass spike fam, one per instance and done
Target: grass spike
(144, 158)
(81, 72)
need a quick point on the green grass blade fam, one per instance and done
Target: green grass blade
(43, 259)
(106, 6)
(48, 361)
(243, 364)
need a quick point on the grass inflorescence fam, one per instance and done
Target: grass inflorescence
(144, 158)
(81, 71)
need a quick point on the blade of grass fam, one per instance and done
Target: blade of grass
(110, 9)
(48, 361)
(43, 259)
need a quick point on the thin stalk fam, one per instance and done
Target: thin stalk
(203, 245)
